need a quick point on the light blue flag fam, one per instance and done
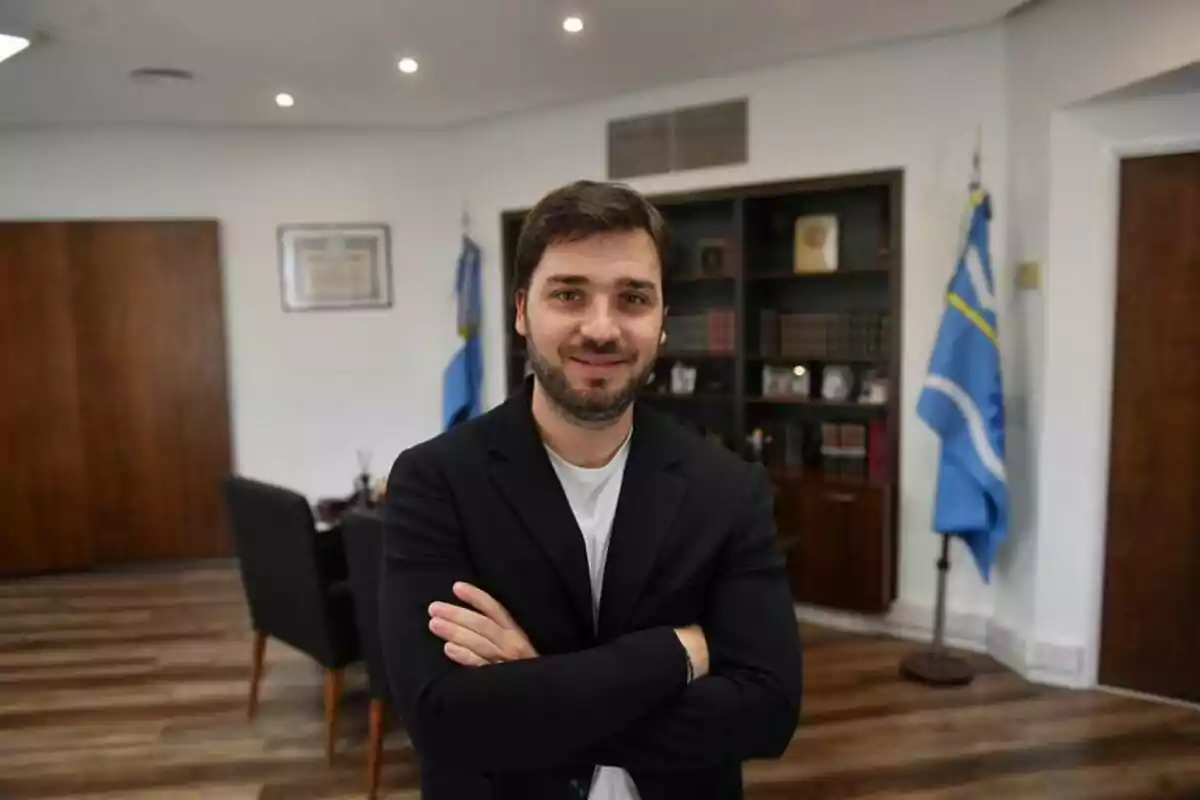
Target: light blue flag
(963, 402)
(462, 382)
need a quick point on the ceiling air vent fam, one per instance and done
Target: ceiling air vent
(160, 75)
(672, 141)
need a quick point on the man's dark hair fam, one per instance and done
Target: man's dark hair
(579, 210)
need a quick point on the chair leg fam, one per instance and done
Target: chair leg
(260, 648)
(375, 746)
(333, 699)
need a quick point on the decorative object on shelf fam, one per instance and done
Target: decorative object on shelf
(836, 383)
(874, 389)
(362, 484)
(341, 266)
(755, 442)
(816, 244)
(785, 381)
(683, 379)
(715, 258)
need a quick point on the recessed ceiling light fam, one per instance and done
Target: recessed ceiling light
(408, 65)
(284, 100)
(573, 24)
(11, 45)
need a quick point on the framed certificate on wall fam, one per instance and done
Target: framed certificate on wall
(337, 266)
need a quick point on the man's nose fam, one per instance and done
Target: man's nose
(600, 324)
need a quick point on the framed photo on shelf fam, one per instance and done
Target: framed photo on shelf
(714, 257)
(335, 266)
(816, 244)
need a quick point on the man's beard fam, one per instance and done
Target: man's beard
(580, 405)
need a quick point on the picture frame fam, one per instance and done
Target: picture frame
(816, 244)
(714, 258)
(335, 266)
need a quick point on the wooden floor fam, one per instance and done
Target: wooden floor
(134, 687)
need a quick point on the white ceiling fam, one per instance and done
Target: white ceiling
(478, 57)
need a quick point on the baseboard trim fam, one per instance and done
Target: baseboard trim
(905, 621)
(1153, 698)
(1040, 662)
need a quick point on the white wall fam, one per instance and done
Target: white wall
(1087, 145)
(913, 105)
(307, 389)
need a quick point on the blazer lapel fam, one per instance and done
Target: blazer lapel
(522, 471)
(651, 492)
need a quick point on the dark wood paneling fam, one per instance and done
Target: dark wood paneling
(151, 356)
(43, 488)
(134, 687)
(115, 411)
(1151, 621)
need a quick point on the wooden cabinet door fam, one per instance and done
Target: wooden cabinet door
(842, 558)
(44, 507)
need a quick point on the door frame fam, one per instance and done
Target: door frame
(1078, 518)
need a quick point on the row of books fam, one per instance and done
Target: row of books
(710, 332)
(855, 334)
(854, 449)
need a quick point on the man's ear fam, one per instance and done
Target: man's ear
(520, 297)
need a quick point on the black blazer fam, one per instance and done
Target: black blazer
(693, 542)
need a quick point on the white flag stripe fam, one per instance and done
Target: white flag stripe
(975, 427)
(979, 281)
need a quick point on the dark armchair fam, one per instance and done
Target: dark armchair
(362, 534)
(293, 587)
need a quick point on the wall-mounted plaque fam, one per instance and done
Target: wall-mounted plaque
(335, 266)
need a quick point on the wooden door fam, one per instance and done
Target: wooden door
(117, 331)
(43, 483)
(151, 358)
(1150, 639)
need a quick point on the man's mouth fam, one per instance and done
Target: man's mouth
(598, 361)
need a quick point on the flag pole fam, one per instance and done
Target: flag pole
(936, 667)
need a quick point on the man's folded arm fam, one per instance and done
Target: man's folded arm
(517, 716)
(749, 705)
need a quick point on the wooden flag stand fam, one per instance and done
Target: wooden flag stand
(936, 667)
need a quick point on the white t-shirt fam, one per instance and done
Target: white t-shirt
(593, 495)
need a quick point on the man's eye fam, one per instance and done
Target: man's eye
(635, 299)
(568, 295)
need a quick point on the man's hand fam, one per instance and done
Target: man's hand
(696, 644)
(477, 639)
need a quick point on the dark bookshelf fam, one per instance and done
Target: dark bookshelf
(733, 256)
